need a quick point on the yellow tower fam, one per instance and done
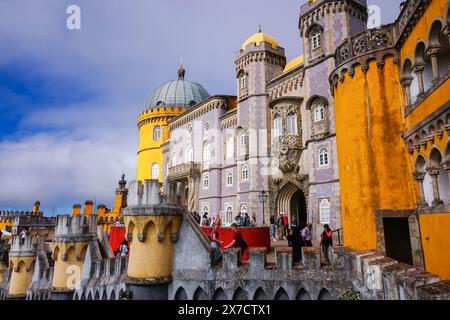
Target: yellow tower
(152, 228)
(374, 169)
(70, 243)
(22, 257)
(168, 101)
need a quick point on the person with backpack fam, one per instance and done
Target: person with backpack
(238, 240)
(215, 242)
(123, 249)
(326, 241)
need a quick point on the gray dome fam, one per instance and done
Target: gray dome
(178, 93)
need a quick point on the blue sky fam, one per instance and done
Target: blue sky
(69, 99)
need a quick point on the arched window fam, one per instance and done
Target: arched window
(206, 153)
(205, 209)
(229, 179)
(155, 170)
(206, 181)
(189, 129)
(315, 38)
(292, 123)
(244, 208)
(230, 148)
(157, 133)
(205, 130)
(245, 172)
(323, 157)
(174, 159)
(324, 211)
(189, 155)
(319, 111)
(243, 81)
(277, 126)
(228, 213)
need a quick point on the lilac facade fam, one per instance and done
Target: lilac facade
(277, 135)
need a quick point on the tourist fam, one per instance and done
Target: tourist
(307, 235)
(23, 234)
(238, 240)
(122, 251)
(247, 223)
(294, 225)
(253, 221)
(281, 226)
(239, 220)
(295, 242)
(326, 241)
(215, 242)
(273, 229)
(206, 221)
(197, 217)
(286, 223)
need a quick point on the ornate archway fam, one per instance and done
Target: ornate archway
(290, 196)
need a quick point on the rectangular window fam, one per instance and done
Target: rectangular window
(292, 124)
(277, 127)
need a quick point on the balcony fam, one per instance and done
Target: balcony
(184, 170)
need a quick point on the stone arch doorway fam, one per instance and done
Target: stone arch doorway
(292, 201)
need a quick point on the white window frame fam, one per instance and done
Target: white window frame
(205, 205)
(157, 132)
(319, 112)
(228, 176)
(325, 210)
(206, 152)
(155, 167)
(316, 38)
(292, 124)
(243, 81)
(243, 139)
(277, 126)
(189, 154)
(174, 159)
(244, 208)
(205, 181)
(228, 214)
(245, 172)
(229, 152)
(324, 157)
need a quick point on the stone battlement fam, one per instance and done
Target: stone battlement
(22, 248)
(148, 194)
(75, 228)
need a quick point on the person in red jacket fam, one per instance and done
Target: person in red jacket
(286, 224)
(326, 241)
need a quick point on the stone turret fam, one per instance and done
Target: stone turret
(70, 243)
(22, 257)
(152, 223)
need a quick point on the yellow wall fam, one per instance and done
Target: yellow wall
(435, 9)
(151, 258)
(435, 241)
(67, 273)
(149, 150)
(373, 164)
(21, 279)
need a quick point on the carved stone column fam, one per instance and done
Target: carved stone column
(447, 33)
(434, 173)
(419, 176)
(406, 83)
(418, 69)
(446, 165)
(433, 52)
(192, 191)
